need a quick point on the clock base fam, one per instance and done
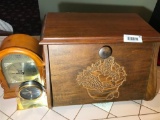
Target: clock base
(26, 104)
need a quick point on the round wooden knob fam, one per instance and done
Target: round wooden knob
(105, 52)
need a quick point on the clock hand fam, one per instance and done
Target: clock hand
(25, 93)
(27, 90)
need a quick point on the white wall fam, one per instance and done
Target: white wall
(142, 7)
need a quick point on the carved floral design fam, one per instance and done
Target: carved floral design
(102, 79)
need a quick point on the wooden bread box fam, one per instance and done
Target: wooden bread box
(88, 61)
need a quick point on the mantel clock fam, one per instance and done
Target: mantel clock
(21, 61)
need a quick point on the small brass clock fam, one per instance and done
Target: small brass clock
(31, 94)
(30, 90)
(21, 61)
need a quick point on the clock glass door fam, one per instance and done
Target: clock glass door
(18, 68)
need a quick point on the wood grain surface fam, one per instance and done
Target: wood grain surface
(71, 28)
(73, 41)
(66, 61)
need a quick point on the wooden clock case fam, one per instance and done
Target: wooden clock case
(72, 43)
(20, 44)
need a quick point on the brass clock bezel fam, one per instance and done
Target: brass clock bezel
(27, 84)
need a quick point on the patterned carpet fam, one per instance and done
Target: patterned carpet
(23, 15)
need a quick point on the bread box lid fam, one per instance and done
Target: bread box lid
(83, 28)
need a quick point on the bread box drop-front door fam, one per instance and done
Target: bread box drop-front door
(100, 57)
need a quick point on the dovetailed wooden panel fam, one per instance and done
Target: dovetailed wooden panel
(67, 61)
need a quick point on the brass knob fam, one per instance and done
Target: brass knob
(105, 52)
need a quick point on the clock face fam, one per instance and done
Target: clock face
(18, 68)
(30, 92)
